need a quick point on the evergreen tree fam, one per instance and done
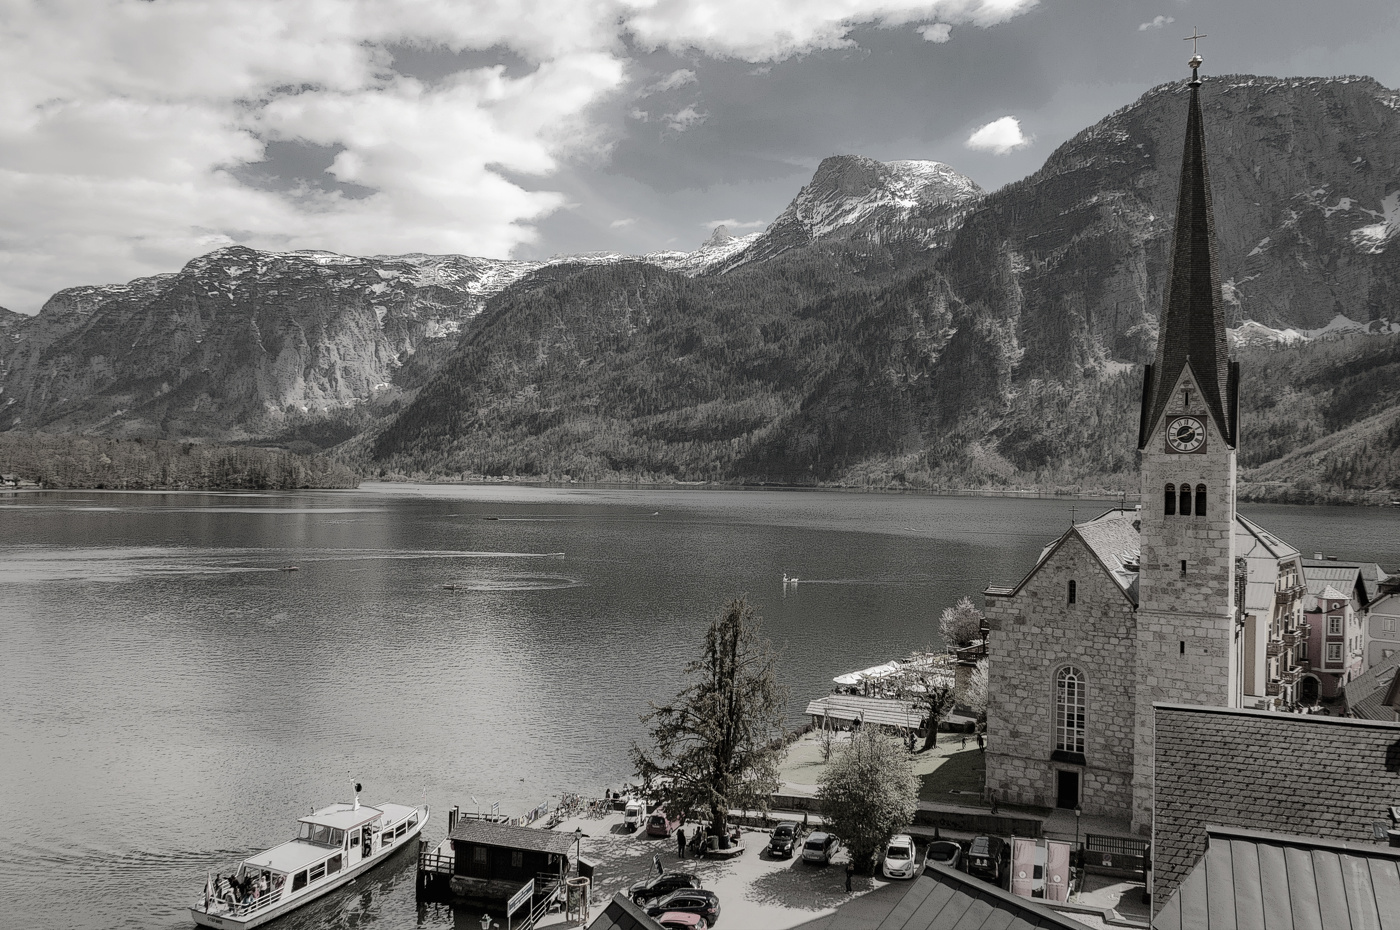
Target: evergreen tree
(718, 743)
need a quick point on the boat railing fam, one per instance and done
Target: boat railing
(254, 904)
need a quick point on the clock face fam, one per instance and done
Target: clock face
(1186, 434)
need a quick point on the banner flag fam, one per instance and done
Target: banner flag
(1056, 871)
(1022, 866)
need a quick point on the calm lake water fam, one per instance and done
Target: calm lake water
(173, 700)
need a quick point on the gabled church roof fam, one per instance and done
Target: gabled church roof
(1192, 329)
(1112, 538)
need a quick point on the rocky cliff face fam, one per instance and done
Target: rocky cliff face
(850, 196)
(1306, 181)
(236, 344)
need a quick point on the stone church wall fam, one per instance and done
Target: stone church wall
(1036, 633)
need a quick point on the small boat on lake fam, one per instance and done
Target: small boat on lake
(332, 847)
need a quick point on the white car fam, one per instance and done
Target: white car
(899, 857)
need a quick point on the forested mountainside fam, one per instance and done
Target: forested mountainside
(895, 325)
(150, 464)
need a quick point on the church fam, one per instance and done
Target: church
(1179, 600)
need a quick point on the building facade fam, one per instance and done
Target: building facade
(1179, 601)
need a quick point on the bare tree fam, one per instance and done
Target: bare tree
(974, 693)
(718, 743)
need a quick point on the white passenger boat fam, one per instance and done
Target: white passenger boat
(333, 845)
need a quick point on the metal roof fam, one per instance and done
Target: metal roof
(292, 856)
(886, 712)
(1250, 880)
(343, 816)
(508, 836)
(942, 899)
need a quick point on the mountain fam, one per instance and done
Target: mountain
(894, 325)
(1009, 356)
(239, 343)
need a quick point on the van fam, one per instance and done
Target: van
(632, 816)
(661, 823)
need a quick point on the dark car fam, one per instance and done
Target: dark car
(690, 900)
(658, 886)
(785, 836)
(988, 858)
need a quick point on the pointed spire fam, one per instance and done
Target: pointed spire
(1193, 319)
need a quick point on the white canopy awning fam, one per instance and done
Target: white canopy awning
(875, 671)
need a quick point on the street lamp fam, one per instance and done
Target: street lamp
(1077, 854)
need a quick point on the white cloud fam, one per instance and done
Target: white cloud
(123, 124)
(782, 28)
(1157, 22)
(937, 32)
(671, 82)
(685, 118)
(622, 224)
(999, 136)
(732, 225)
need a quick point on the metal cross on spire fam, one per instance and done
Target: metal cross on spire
(1193, 37)
(1196, 58)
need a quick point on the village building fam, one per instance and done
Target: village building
(1366, 695)
(1383, 624)
(1179, 600)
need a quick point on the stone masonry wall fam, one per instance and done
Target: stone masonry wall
(1185, 620)
(1035, 634)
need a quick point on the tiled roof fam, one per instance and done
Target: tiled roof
(942, 899)
(622, 914)
(1250, 881)
(1369, 574)
(509, 836)
(886, 712)
(1306, 774)
(1366, 693)
(1329, 593)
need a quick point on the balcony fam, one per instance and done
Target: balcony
(1273, 689)
(1274, 648)
(1291, 639)
(1292, 676)
(1290, 593)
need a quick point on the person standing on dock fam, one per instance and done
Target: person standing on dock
(680, 842)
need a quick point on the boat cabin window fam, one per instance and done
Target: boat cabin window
(318, 871)
(321, 834)
(354, 837)
(333, 864)
(413, 820)
(386, 837)
(299, 880)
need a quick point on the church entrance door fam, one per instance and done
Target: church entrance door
(1066, 789)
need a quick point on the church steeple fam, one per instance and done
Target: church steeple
(1192, 327)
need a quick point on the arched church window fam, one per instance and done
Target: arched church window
(1170, 509)
(1069, 710)
(1200, 500)
(1072, 591)
(1185, 506)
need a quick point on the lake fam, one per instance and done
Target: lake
(174, 698)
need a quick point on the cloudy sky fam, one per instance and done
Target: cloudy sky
(136, 135)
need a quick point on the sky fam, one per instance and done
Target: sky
(136, 135)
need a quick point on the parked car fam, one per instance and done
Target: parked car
(988, 858)
(785, 836)
(659, 886)
(690, 900)
(943, 852)
(661, 823)
(899, 857)
(820, 847)
(682, 920)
